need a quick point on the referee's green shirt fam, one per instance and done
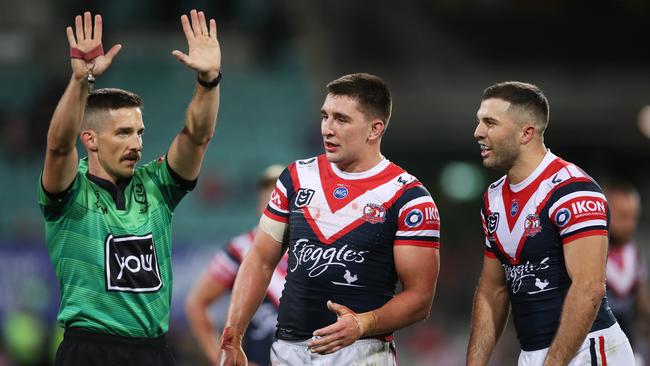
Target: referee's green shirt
(112, 251)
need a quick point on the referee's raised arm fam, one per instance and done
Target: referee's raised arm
(87, 60)
(204, 56)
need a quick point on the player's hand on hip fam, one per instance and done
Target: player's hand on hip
(87, 38)
(349, 327)
(232, 353)
(204, 54)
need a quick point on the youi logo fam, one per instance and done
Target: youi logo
(340, 193)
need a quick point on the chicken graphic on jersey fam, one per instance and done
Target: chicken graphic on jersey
(349, 277)
(541, 284)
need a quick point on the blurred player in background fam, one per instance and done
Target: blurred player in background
(219, 278)
(108, 223)
(355, 224)
(627, 291)
(546, 228)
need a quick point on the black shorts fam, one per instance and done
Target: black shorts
(81, 347)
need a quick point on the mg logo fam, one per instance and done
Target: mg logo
(340, 193)
(131, 264)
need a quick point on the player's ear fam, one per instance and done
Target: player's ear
(377, 127)
(528, 133)
(89, 139)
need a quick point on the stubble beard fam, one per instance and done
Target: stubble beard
(502, 159)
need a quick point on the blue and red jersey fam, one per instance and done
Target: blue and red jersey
(342, 228)
(526, 226)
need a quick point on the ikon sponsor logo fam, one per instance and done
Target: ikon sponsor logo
(562, 217)
(413, 218)
(317, 259)
(431, 214)
(587, 206)
(131, 264)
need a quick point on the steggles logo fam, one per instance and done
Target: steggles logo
(319, 259)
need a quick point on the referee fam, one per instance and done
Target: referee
(108, 222)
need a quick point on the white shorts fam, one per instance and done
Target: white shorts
(608, 346)
(364, 352)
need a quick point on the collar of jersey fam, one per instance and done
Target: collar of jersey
(115, 190)
(548, 159)
(361, 175)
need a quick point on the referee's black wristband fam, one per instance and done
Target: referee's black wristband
(209, 84)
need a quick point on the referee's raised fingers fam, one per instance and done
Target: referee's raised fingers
(196, 27)
(88, 26)
(213, 29)
(70, 34)
(79, 28)
(98, 28)
(203, 24)
(186, 27)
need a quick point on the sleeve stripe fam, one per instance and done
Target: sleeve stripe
(276, 216)
(277, 209)
(280, 186)
(571, 196)
(415, 243)
(489, 254)
(417, 238)
(412, 191)
(435, 233)
(582, 225)
(414, 202)
(583, 234)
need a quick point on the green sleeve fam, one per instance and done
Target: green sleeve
(53, 205)
(172, 186)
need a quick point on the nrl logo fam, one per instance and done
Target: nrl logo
(304, 196)
(493, 222)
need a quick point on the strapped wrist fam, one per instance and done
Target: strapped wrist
(209, 84)
(367, 322)
(87, 56)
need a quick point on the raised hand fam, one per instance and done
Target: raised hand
(204, 55)
(85, 40)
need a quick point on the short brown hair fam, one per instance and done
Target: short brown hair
(526, 96)
(101, 100)
(370, 91)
